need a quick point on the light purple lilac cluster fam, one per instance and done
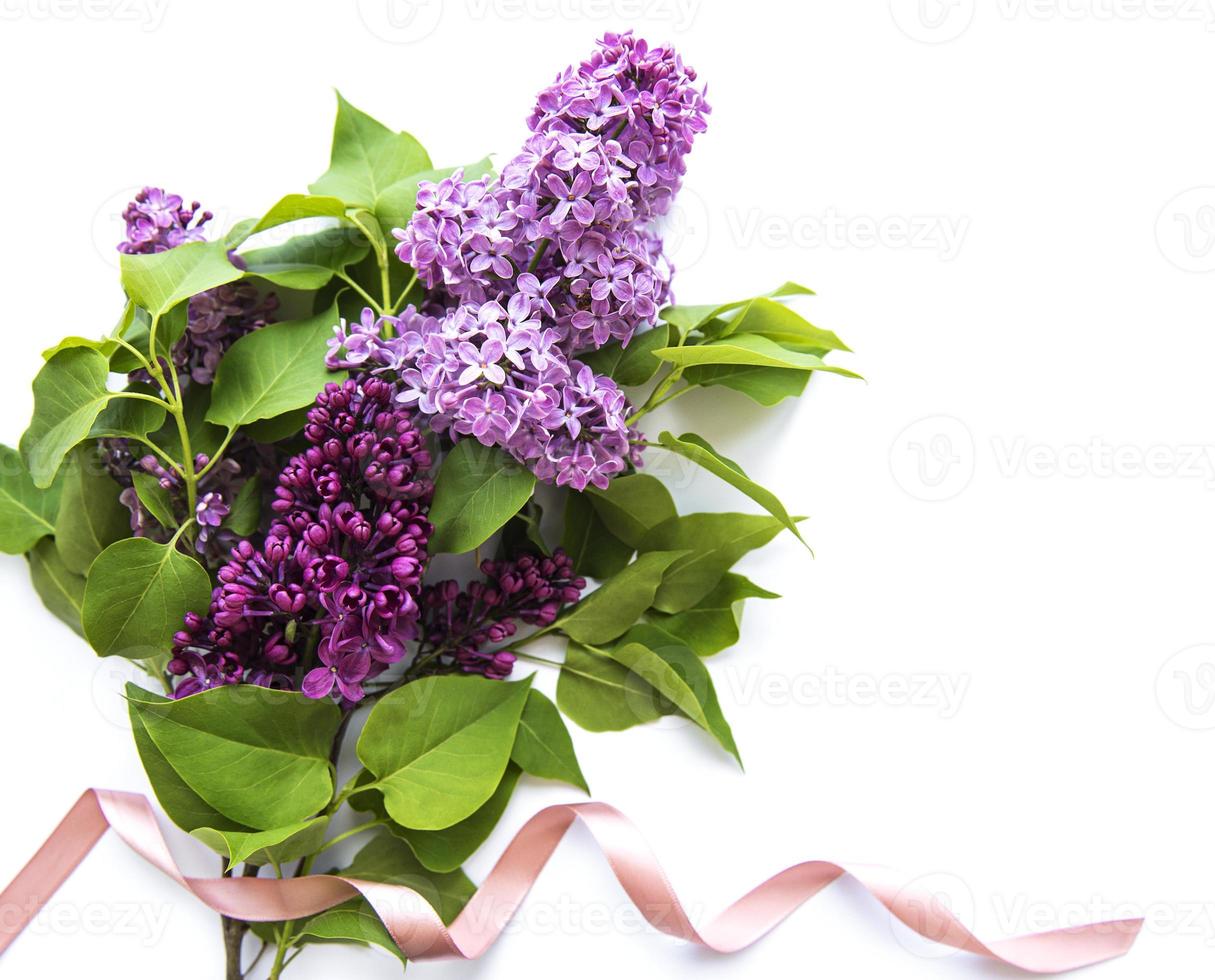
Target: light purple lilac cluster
(574, 210)
(458, 625)
(496, 376)
(156, 222)
(555, 256)
(341, 565)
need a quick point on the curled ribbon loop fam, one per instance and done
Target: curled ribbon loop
(421, 934)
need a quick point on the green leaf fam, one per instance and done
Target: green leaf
(395, 204)
(693, 678)
(155, 498)
(748, 349)
(478, 489)
(543, 746)
(270, 431)
(632, 365)
(91, 517)
(781, 324)
(631, 505)
(307, 261)
(693, 447)
(367, 158)
(246, 512)
(602, 695)
(184, 807)
(260, 847)
(446, 849)
(522, 534)
(613, 607)
(129, 418)
(687, 319)
(297, 207)
(256, 756)
(60, 589)
(273, 370)
(714, 542)
(27, 514)
(137, 593)
(644, 676)
(69, 394)
(711, 625)
(763, 385)
(439, 746)
(159, 281)
(593, 549)
(681, 680)
(387, 860)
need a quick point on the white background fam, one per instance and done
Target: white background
(1017, 506)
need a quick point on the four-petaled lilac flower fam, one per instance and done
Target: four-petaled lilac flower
(344, 664)
(482, 362)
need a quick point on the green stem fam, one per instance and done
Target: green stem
(540, 250)
(350, 833)
(134, 350)
(362, 292)
(396, 304)
(651, 404)
(532, 658)
(215, 456)
(141, 397)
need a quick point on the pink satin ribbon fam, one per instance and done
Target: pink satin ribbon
(421, 934)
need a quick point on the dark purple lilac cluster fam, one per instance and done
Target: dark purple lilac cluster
(217, 490)
(459, 625)
(156, 222)
(339, 572)
(555, 256)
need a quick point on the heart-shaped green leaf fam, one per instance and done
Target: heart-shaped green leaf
(478, 489)
(60, 589)
(91, 517)
(137, 593)
(272, 371)
(438, 747)
(69, 394)
(367, 158)
(274, 847)
(27, 513)
(543, 746)
(256, 756)
(159, 281)
(615, 606)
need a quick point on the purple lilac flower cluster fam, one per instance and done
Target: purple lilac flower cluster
(220, 484)
(341, 565)
(462, 623)
(496, 376)
(569, 219)
(554, 257)
(156, 222)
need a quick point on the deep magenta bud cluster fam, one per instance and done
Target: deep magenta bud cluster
(465, 622)
(342, 560)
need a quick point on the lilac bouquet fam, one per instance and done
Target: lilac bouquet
(452, 362)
